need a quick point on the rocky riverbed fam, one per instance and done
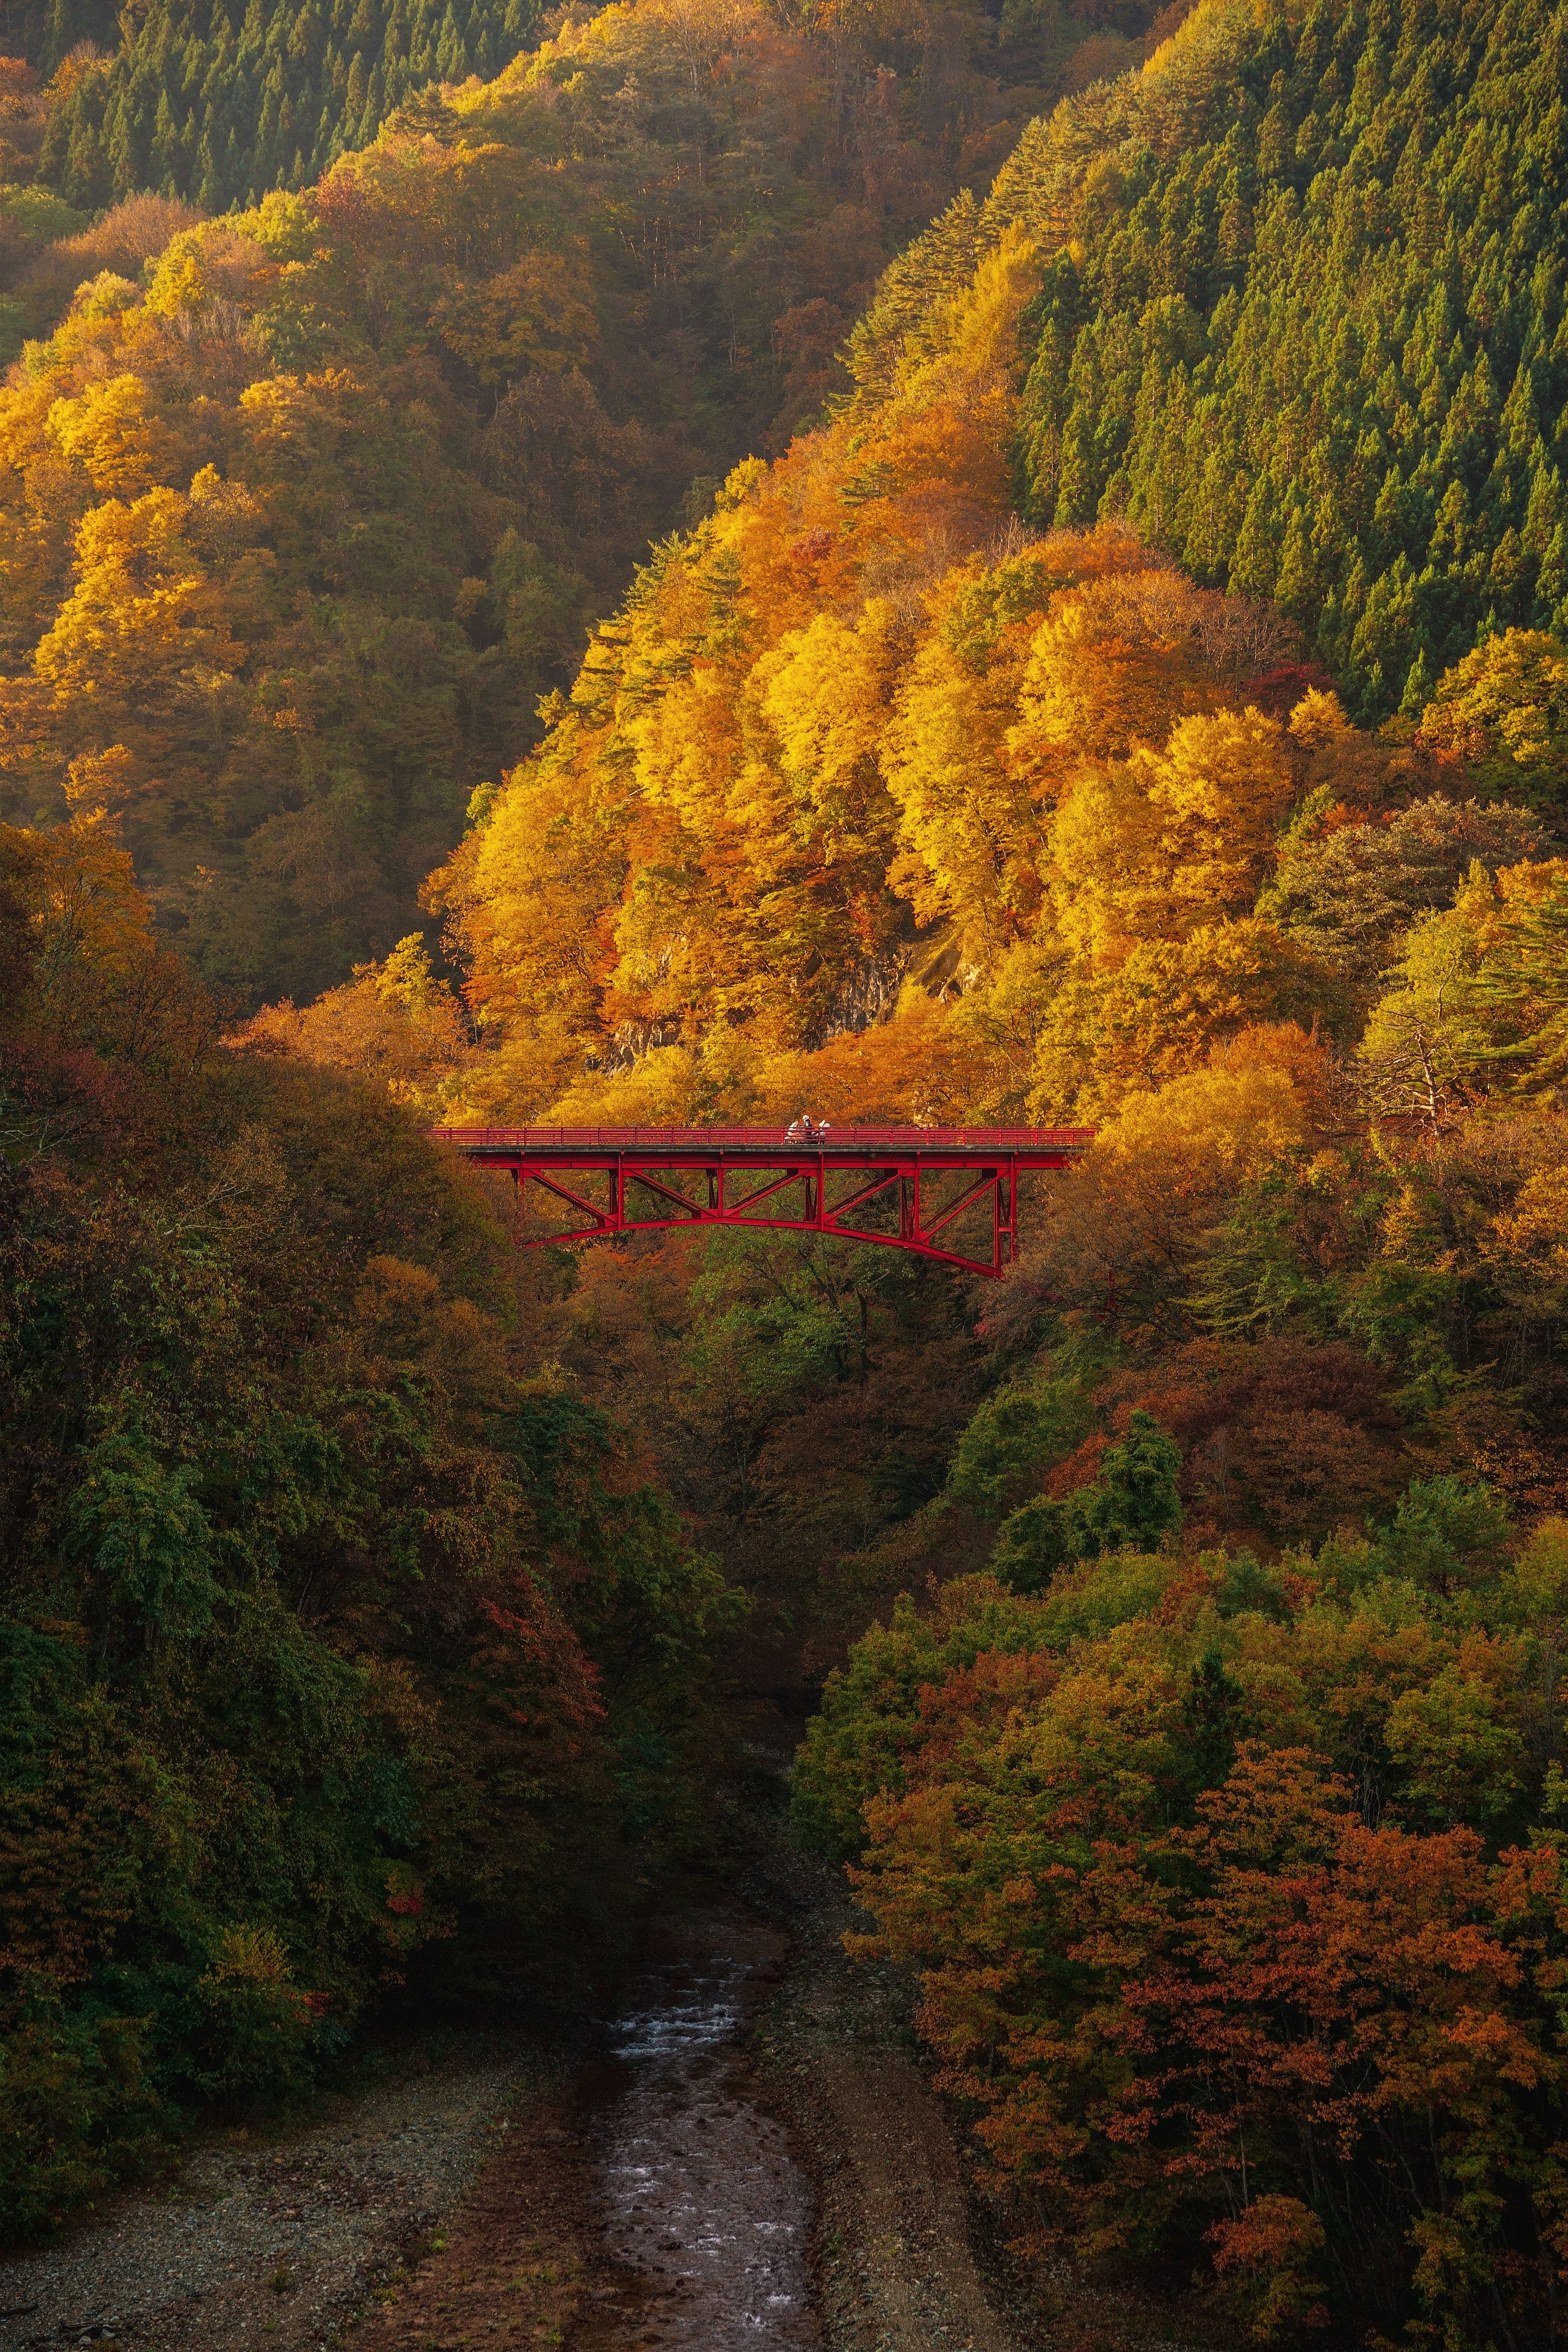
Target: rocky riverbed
(745, 2153)
(270, 2242)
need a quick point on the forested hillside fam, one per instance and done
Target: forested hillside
(221, 105)
(333, 1648)
(1307, 332)
(1213, 1791)
(353, 468)
(1130, 687)
(332, 490)
(984, 820)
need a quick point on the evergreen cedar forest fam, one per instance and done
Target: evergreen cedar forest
(1065, 508)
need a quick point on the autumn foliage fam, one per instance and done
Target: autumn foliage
(1238, 1903)
(1186, 1612)
(305, 507)
(337, 1643)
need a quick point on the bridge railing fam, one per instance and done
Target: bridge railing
(707, 1138)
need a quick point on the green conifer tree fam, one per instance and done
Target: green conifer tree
(1367, 423)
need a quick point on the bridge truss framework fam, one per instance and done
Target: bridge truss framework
(900, 1181)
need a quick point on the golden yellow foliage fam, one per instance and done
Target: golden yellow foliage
(825, 690)
(1156, 1014)
(743, 820)
(548, 882)
(1170, 842)
(531, 315)
(1113, 662)
(96, 969)
(108, 430)
(102, 780)
(1529, 1245)
(139, 614)
(867, 793)
(968, 822)
(393, 1024)
(1320, 718)
(910, 1069)
(1505, 707)
(1170, 1160)
(705, 836)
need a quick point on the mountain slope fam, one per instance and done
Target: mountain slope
(219, 105)
(216, 106)
(298, 532)
(1320, 355)
(1302, 322)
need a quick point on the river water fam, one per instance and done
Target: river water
(706, 2212)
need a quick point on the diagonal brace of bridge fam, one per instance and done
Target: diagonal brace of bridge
(923, 1189)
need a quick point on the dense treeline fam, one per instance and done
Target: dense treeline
(868, 791)
(1221, 1813)
(1216, 1795)
(1321, 357)
(1238, 1897)
(337, 1654)
(1301, 324)
(551, 311)
(221, 105)
(349, 1644)
(1214, 1786)
(341, 479)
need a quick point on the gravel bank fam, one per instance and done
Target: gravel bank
(273, 2242)
(465, 2199)
(911, 2260)
(899, 2269)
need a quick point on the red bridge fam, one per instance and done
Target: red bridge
(946, 1193)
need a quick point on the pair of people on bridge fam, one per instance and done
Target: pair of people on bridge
(805, 1130)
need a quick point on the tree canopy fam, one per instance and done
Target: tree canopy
(1071, 632)
(336, 482)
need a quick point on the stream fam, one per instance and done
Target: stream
(706, 2213)
(701, 2212)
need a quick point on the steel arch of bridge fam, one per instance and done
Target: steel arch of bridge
(756, 1179)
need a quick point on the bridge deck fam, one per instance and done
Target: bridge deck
(1031, 1146)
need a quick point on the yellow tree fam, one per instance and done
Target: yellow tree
(1166, 843)
(968, 821)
